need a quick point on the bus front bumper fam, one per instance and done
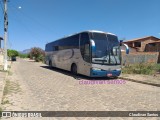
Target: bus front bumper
(105, 73)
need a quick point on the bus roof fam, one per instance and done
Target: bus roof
(99, 32)
(96, 31)
(92, 31)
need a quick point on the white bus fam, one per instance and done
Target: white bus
(91, 53)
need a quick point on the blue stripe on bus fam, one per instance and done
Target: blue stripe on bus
(99, 73)
(93, 49)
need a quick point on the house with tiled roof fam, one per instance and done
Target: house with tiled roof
(144, 44)
(145, 49)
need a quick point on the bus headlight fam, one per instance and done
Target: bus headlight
(96, 69)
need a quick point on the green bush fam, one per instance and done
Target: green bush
(37, 54)
(157, 68)
(40, 58)
(142, 68)
(23, 55)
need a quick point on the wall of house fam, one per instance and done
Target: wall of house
(141, 57)
(151, 48)
(145, 42)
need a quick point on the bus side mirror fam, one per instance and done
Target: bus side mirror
(127, 48)
(93, 47)
(121, 42)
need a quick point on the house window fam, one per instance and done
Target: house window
(152, 44)
(137, 44)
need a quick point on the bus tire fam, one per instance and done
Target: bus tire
(50, 64)
(74, 69)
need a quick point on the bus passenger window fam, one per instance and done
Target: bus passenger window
(55, 48)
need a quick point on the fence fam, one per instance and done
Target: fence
(141, 57)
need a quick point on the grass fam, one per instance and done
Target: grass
(11, 87)
(8, 70)
(6, 88)
(5, 102)
(2, 68)
(23, 55)
(9, 66)
(157, 67)
(1, 112)
(3, 71)
(142, 68)
(10, 73)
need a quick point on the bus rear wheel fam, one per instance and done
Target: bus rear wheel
(50, 64)
(74, 69)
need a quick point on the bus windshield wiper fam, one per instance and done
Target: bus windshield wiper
(115, 59)
(114, 56)
(110, 53)
(104, 59)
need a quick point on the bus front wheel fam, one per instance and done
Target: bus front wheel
(74, 69)
(50, 64)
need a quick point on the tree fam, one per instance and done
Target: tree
(37, 53)
(12, 53)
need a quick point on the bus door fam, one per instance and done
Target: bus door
(84, 64)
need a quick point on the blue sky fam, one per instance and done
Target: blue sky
(42, 21)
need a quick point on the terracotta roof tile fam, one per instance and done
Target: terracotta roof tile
(137, 39)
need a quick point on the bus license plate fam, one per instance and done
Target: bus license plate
(109, 75)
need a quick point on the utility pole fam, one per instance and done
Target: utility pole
(5, 35)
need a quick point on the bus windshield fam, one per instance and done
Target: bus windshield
(107, 49)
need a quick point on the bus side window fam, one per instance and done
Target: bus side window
(84, 46)
(55, 48)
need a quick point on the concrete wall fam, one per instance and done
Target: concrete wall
(141, 57)
(1, 57)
